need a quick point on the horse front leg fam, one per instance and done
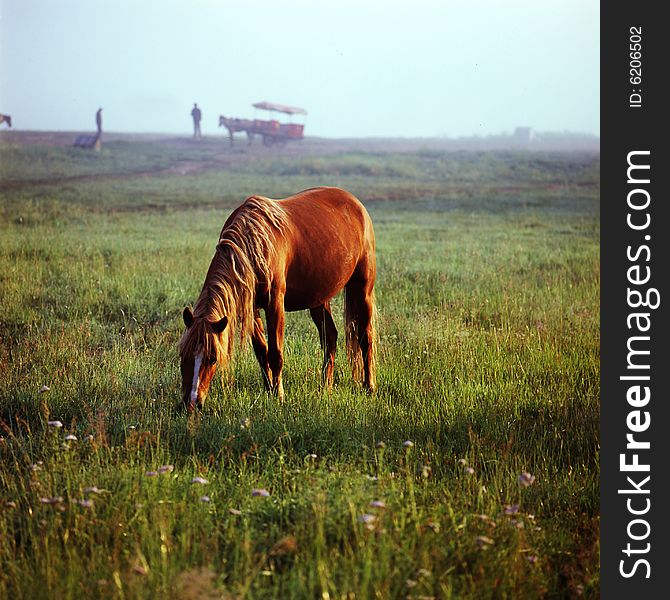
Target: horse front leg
(261, 350)
(275, 320)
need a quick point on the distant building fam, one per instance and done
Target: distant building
(524, 134)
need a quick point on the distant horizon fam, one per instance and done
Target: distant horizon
(223, 133)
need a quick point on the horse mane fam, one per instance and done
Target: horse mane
(241, 262)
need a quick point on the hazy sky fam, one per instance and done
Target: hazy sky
(361, 68)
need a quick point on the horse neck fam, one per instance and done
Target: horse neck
(216, 294)
(244, 254)
(227, 292)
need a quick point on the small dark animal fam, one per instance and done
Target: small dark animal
(90, 142)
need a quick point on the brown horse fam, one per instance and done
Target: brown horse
(284, 255)
(6, 119)
(233, 125)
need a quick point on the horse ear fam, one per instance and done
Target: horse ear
(188, 316)
(219, 326)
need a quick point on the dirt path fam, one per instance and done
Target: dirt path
(219, 159)
(222, 155)
(180, 168)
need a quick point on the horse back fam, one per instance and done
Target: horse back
(319, 238)
(328, 208)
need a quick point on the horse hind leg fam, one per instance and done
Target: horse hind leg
(323, 319)
(367, 342)
(360, 319)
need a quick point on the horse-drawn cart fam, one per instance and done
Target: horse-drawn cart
(272, 131)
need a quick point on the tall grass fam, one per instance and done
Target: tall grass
(488, 297)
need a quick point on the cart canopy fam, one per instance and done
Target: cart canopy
(289, 110)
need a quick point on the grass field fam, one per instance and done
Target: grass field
(488, 297)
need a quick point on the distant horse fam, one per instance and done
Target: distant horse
(233, 125)
(6, 119)
(284, 255)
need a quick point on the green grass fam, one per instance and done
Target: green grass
(488, 298)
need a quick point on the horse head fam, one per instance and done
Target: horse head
(200, 351)
(223, 121)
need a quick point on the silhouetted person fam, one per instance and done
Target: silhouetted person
(197, 115)
(98, 121)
